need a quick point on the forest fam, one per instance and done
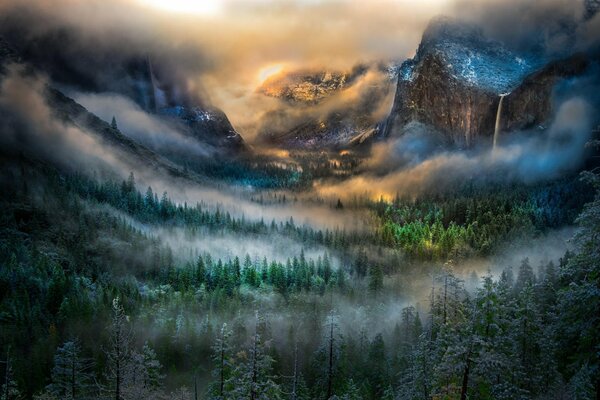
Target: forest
(353, 320)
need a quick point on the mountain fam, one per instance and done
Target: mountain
(153, 81)
(458, 77)
(156, 91)
(324, 109)
(309, 87)
(71, 114)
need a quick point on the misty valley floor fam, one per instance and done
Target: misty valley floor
(198, 300)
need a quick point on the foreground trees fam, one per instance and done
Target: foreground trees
(135, 306)
(72, 376)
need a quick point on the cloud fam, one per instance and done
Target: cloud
(210, 58)
(216, 57)
(416, 166)
(145, 128)
(29, 125)
(95, 45)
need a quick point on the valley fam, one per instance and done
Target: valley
(414, 226)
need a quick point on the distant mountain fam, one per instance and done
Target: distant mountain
(309, 87)
(71, 113)
(324, 109)
(160, 94)
(152, 81)
(458, 77)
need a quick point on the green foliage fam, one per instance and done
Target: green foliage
(67, 252)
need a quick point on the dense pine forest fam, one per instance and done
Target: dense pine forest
(389, 313)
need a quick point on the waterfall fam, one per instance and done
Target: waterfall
(498, 115)
(157, 95)
(468, 125)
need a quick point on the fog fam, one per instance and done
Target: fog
(216, 54)
(144, 127)
(415, 163)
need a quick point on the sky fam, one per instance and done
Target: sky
(227, 48)
(224, 49)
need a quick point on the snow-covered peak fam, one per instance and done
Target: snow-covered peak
(471, 57)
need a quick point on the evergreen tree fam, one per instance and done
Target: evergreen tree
(253, 377)
(10, 390)
(223, 364)
(377, 365)
(118, 353)
(375, 279)
(72, 373)
(578, 323)
(143, 375)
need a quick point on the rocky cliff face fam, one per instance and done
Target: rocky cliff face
(155, 84)
(310, 87)
(160, 94)
(73, 114)
(457, 77)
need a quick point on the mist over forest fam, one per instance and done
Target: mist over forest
(231, 199)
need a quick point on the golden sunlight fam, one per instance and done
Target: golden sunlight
(269, 71)
(202, 7)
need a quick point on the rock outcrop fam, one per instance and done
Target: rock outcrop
(325, 109)
(456, 80)
(155, 84)
(161, 94)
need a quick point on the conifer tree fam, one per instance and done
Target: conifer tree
(72, 373)
(118, 352)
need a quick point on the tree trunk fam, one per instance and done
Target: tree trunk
(330, 370)
(222, 383)
(254, 370)
(118, 369)
(295, 383)
(73, 376)
(465, 381)
(7, 374)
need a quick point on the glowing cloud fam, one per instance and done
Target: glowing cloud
(203, 7)
(269, 71)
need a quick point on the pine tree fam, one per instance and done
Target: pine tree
(71, 374)
(525, 277)
(375, 279)
(118, 353)
(361, 265)
(143, 375)
(10, 390)
(253, 377)
(223, 363)
(327, 361)
(298, 391)
(377, 372)
(578, 322)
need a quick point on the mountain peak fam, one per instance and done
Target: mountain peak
(471, 57)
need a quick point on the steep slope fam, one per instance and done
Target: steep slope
(309, 87)
(159, 93)
(70, 114)
(154, 82)
(458, 77)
